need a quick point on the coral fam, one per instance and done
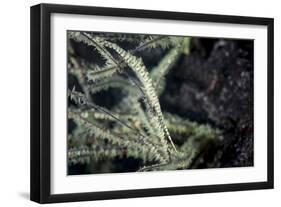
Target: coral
(135, 126)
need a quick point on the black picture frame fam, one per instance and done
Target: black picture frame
(41, 96)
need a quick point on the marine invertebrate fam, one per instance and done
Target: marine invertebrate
(135, 126)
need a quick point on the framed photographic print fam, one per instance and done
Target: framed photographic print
(132, 103)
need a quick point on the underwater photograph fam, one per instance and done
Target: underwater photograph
(148, 102)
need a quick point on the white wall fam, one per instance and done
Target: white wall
(14, 109)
